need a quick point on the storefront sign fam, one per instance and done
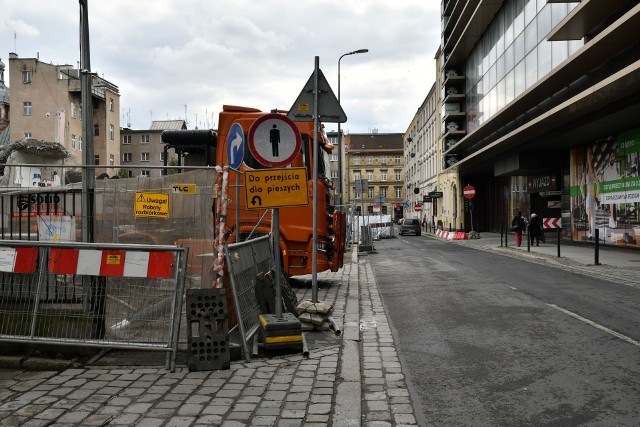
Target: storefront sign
(536, 184)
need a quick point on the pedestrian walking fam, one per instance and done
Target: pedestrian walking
(517, 225)
(535, 229)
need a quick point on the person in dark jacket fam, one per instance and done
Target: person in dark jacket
(517, 225)
(535, 229)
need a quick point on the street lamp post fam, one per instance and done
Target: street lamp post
(339, 131)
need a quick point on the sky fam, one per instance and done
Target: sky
(173, 59)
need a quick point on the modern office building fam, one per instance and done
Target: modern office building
(46, 106)
(375, 173)
(540, 104)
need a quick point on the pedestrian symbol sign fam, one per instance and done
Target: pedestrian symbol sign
(274, 140)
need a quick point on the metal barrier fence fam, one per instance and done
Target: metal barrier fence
(101, 295)
(37, 205)
(245, 261)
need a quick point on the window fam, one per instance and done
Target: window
(144, 157)
(383, 191)
(144, 172)
(73, 110)
(96, 130)
(334, 174)
(356, 175)
(110, 104)
(398, 158)
(26, 108)
(126, 139)
(111, 132)
(80, 144)
(369, 193)
(369, 160)
(73, 141)
(27, 134)
(356, 160)
(162, 156)
(333, 157)
(397, 175)
(370, 175)
(383, 175)
(26, 76)
(111, 160)
(383, 160)
(96, 159)
(398, 192)
(126, 157)
(144, 138)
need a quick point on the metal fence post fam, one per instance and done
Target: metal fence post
(597, 248)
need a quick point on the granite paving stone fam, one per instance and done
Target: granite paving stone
(286, 389)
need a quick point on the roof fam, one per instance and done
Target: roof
(168, 125)
(376, 141)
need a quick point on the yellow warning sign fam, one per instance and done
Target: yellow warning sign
(113, 259)
(184, 188)
(274, 188)
(154, 205)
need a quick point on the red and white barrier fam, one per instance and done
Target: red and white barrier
(114, 263)
(452, 235)
(18, 260)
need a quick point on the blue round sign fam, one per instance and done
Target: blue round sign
(235, 146)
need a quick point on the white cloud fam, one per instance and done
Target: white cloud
(163, 54)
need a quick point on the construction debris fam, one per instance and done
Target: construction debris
(315, 316)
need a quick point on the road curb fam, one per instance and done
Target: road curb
(37, 363)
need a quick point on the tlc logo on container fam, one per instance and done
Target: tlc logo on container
(184, 188)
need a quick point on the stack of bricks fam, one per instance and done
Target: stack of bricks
(315, 316)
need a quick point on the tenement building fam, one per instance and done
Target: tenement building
(375, 173)
(46, 106)
(540, 112)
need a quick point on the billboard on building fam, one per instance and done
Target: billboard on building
(605, 190)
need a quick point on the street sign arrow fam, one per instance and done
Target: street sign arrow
(551, 222)
(235, 146)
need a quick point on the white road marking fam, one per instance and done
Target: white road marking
(596, 325)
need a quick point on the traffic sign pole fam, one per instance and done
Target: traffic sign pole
(469, 192)
(314, 253)
(274, 141)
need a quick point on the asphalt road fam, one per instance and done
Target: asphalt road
(489, 340)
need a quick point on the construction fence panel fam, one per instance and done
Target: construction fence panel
(101, 295)
(245, 260)
(36, 204)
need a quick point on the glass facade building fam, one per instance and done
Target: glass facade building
(540, 107)
(512, 55)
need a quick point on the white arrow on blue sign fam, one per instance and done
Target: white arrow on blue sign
(235, 146)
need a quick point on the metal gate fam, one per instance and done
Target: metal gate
(102, 295)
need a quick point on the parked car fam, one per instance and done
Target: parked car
(410, 225)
